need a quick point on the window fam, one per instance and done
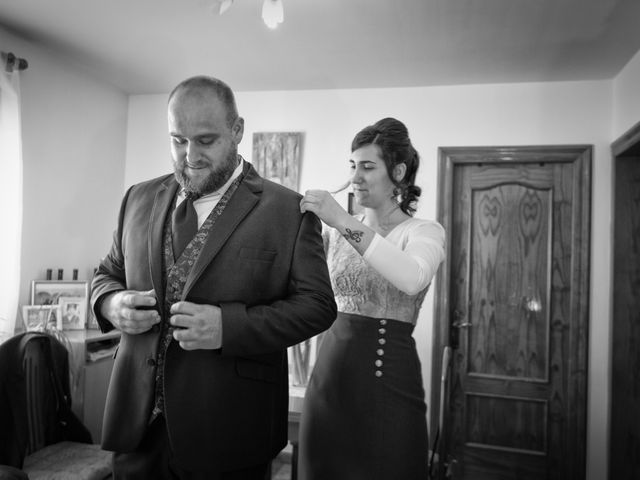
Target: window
(10, 201)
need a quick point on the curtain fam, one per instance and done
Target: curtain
(10, 200)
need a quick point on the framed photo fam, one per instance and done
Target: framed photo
(41, 317)
(52, 292)
(74, 312)
(49, 292)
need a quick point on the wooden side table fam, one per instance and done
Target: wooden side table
(92, 358)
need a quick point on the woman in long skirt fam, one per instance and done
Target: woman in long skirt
(364, 415)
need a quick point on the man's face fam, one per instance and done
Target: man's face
(204, 146)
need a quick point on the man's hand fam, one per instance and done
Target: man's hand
(131, 311)
(199, 326)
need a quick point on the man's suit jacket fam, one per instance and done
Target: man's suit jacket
(264, 266)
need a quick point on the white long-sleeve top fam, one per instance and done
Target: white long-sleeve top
(410, 254)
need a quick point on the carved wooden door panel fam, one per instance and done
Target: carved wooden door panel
(517, 315)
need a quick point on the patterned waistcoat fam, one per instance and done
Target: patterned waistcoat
(175, 273)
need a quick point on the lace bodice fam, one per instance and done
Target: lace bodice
(362, 290)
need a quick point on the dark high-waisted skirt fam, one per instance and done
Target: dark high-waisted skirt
(364, 415)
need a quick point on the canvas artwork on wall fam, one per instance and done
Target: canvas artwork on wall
(277, 156)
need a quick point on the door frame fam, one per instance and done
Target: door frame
(629, 139)
(627, 144)
(448, 159)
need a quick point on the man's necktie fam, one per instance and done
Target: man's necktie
(184, 224)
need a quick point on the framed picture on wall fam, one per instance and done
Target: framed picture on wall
(277, 156)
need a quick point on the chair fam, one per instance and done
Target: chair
(38, 431)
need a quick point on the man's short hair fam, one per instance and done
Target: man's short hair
(216, 87)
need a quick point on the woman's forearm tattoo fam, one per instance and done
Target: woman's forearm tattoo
(355, 236)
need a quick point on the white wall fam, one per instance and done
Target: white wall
(74, 130)
(626, 97)
(512, 114)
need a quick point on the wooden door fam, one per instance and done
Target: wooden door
(512, 302)
(624, 445)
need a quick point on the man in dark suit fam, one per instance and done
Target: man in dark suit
(199, 387)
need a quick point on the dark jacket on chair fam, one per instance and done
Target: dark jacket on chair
(17, 437)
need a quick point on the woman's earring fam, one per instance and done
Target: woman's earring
(397, 192)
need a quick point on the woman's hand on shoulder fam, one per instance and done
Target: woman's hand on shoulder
(324, 206)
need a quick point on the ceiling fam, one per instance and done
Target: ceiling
(147, 46)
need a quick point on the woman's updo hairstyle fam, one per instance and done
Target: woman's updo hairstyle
(392, 137)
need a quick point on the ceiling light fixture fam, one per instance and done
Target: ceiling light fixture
(272, 13)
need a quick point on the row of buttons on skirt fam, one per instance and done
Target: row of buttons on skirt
(380, 351)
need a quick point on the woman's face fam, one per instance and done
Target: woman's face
(370, 181)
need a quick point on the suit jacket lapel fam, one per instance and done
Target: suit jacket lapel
(162, 204)
(239, 206)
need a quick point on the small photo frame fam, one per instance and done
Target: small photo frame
(352, 206)
(41, 317)
(74, 312)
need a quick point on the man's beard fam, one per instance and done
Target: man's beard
(216, 178)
